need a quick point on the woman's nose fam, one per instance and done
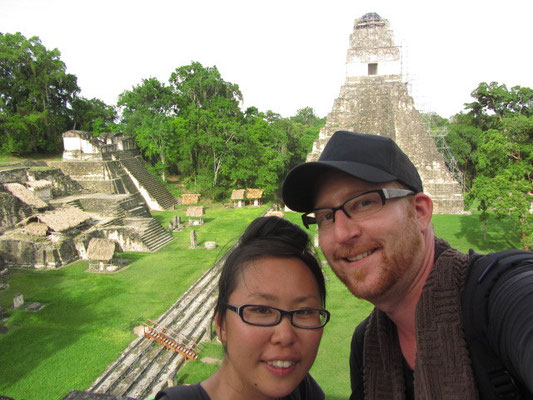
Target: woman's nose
(285, 332)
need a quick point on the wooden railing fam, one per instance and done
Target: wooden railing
(171, 340)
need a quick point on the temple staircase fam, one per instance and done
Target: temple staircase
(155, 189)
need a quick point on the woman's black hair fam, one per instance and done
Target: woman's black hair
(267, 237)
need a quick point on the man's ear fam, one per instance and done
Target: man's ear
(423, 210)
(220, 328)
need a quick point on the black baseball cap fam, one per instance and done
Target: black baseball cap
(371, 158)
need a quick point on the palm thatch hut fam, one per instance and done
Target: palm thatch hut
(63, 219)
(36, 229)
(25, 195)
(190, 198)
(101, 254)
(255, 195)
(195, 215)
(237, 196)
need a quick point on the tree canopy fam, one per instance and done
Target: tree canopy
(194, 126)
(493, 142)
(38, 98)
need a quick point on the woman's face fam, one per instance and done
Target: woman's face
(270, 362)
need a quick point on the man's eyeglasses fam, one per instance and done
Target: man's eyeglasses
(359, 206)
(259, 315)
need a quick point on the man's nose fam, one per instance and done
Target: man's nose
(344, 227)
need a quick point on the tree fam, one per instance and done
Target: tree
(503, 161)
(211, 107)
(463, 139)
(147, 116)
(93, 115)
(495, 101)
(35, 92)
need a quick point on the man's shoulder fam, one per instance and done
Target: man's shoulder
(486, 269)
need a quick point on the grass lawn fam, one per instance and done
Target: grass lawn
(6, 159)
(88, 318)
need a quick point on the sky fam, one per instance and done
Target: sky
(284, 54)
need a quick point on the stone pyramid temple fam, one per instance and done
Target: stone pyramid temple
(374, 100)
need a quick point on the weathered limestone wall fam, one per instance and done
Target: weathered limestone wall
(372, 42)
(127, 238)
(15, 174)
(38, 253)
(12, 210)
(62, 185)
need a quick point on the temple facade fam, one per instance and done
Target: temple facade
(374, 100)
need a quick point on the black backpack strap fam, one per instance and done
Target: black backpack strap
(493, 379)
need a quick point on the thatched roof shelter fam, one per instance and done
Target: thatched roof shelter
(101, 249)
(254, 193)
(63, 218)
(190, 198)
(197, 211)
(25, 195)
(36, 229)
(237, 194)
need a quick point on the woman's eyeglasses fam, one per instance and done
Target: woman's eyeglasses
(259, 315)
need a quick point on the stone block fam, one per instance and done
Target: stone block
(34, 307)
(18, 300)
(210, 245)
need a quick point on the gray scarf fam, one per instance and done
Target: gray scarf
(443, 368)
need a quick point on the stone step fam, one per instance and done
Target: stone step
(144, 383)
(155, 188)
(155, 236)
(140, 365)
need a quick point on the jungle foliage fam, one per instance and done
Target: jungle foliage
(193, 127)
(39, 99)
(492, 142)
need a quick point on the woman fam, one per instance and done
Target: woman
(269, 317)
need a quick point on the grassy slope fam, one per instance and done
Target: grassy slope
(88, 318)
(6, 159)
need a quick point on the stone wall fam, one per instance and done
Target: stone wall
(85, 170)
(12, 210)
(15, 174)
(62, 185)
(372, 42)
(27, 253)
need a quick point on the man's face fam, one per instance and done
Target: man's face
(376, 257)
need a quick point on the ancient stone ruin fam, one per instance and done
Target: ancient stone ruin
(374, 100)
(50, 211)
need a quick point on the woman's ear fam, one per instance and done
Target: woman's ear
(220, 328)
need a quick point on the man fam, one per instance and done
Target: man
(374, 224)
